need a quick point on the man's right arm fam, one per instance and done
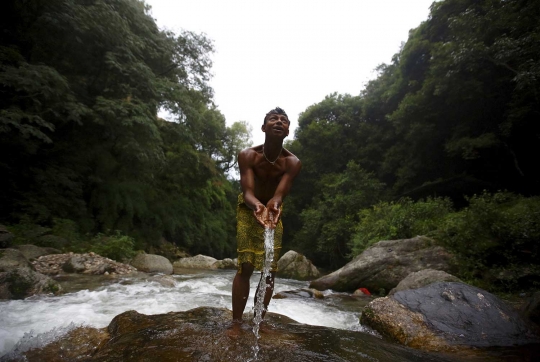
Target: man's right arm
(246, 159)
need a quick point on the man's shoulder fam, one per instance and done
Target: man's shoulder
(250, 151)
(248, 155)
(292, 160)
(290, 156)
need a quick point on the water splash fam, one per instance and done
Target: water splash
(261, 290)
(33, 340)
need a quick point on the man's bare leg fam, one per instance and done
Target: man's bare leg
(240, 293)
(269, 292)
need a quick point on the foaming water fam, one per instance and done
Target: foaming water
(259, 309)
(96, 307)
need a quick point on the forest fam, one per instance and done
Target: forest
(443, 142)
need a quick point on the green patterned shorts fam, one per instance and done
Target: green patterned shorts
(250, 238)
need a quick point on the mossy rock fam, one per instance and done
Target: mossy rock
(22, 283)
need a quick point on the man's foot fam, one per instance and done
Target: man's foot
(235, 329)
(266, 328)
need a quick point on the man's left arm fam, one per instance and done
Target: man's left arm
(293, 168)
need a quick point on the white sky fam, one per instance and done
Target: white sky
(291, 53)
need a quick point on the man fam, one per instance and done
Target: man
(266, 175)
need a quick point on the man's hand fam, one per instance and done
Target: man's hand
(274, 213)
(261, 215)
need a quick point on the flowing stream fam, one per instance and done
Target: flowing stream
(261, 289)
(96, 300)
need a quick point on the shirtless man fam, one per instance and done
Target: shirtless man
(266, 175)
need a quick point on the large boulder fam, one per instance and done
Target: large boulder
(382, 266)
(294, 265)
(21, 283)
(196, 262)
(11, 259)
(422, 278)
(32, 252)
(5, 237)
(151, 263)
(446, 316)
(226, 263)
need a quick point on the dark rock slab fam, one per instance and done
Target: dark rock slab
(385, 264)
(202, 334)
(448, 315)
(422, 278)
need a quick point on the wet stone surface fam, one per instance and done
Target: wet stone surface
(201, 335)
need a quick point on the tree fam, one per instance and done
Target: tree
(81, 83)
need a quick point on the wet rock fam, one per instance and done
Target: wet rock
(151, 263)
(77, 344)
(382, 266)
(21, 283)
(446, 316)
(196, 262)
(76, 264)
(202, 334)
(165, 280)
(299, 293)
(32, 252)
(5, 237)
(11, 259)
(88, 263)
(294, 265)
(226, 263)
(422, 278)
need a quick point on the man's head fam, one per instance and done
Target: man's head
(277, 111)
(276, 123)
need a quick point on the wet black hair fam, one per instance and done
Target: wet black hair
(276, 110)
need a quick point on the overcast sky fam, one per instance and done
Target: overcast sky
(291, 53)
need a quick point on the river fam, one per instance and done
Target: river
(96, 300)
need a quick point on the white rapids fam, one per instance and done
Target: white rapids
(37, 318)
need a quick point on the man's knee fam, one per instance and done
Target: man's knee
(246, 269)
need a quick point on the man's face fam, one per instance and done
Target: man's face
(276, 125)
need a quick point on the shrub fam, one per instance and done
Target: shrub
(499, 233)
(117, 246)
(399, 220)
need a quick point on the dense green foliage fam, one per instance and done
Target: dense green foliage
(399, 220)
(455, 113)
(82, 82)
(495, 238)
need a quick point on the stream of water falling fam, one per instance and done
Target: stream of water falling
(261, 290)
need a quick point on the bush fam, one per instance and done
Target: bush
(117, 247)
(497, 233)
(399, 220)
